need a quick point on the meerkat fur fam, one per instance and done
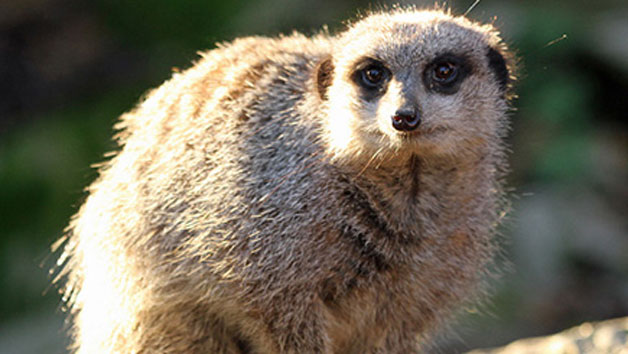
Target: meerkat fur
(261, 201)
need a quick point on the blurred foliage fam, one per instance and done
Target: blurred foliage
(189, 23)
(569, 135)
(43, 168)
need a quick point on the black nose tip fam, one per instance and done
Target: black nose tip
(406, 120)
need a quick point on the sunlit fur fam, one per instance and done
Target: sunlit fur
(251, 208)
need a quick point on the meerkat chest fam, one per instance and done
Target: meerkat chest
(352, 324)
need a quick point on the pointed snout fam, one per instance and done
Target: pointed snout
(406, 119)
(404, 96)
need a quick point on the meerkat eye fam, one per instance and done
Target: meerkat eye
(445, 72)
(373, 76)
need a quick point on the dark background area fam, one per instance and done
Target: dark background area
(69, 68)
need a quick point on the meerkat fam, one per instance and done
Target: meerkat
(325, 194)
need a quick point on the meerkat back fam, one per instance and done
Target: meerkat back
(332, 194)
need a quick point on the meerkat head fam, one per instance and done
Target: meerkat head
(414, 82)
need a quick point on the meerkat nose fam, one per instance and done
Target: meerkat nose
(406, 120)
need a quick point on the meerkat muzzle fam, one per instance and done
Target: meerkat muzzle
(406, 120)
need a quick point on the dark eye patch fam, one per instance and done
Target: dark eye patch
(372, 76)
(445, 73)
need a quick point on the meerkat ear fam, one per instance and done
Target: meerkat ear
(324, 76)
(497, 63)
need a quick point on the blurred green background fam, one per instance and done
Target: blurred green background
(69, 68)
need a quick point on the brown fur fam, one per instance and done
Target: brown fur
(259, 204)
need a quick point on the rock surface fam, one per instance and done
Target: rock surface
(607, 337)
